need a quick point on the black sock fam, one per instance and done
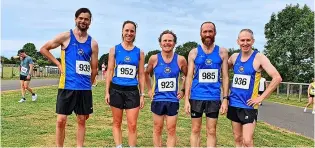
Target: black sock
(33, 94)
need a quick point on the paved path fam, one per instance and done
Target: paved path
(15, 84)
(283, 116)
(288, 117)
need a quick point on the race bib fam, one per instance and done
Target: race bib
(83, 68)
(208, 75)
(23, 69)
(241, 81)
(167, 84)
(126, 71)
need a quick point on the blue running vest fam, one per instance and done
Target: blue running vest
(75, 61)
(245, 82)
(126, 66)
(206, 84)
(166, 79)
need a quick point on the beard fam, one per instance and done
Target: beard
(83, 29)
(208, 42)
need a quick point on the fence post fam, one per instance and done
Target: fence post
(300, 93)
(11, 72)
(278, 90)
(288, 90)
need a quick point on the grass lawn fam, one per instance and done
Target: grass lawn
(293, 100)
(32, 124)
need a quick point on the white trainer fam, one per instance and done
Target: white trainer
(34, 98)
(22, 100)
(305, 110)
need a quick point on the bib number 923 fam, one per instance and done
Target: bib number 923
(167, 84)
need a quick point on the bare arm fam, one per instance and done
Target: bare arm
(183, 68)
(141, 72)
(225, 70)
(190, 73)
(94, 60)
(110, 69)
(231, 60)
(308, 90)
(149, 70)
(272, 72)
(31, 69)
(52, 44)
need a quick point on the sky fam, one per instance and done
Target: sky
(37, 21)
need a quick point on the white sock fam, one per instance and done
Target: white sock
(119, 146)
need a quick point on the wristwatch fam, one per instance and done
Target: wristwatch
(226, 97)
(141, 94)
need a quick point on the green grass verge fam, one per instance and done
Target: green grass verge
(293, 100)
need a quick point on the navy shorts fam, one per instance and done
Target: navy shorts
(165, 108)
(211, 108)
(242, 115)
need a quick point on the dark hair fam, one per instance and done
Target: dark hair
(21, 51)
(249, 31)
(129, 22)
(168, 32)
(215, 30)
(82, 10)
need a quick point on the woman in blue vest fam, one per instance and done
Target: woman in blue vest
(125, 73)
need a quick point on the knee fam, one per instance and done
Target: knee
(132, 126)
(238, 138)
(116, 123)
(248, 142)
(158, 129)
(171, 131)
(211, 132)
(195, 130)
(81, 120)
(61, 122)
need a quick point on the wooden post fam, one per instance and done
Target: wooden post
(12, 72)
(2, 71)
(278, 89)
(300, 92)
(288, 90)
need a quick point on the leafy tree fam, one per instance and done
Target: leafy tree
(30, 50)
(185, 48)
(103, 59)
(5, 60)
(290, 42)
(149, 54)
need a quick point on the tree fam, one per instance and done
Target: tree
(103, 59)
(30, 50)
(185, 48)
(149, 54)
(232, 51)
(5, 60)
(290, 43)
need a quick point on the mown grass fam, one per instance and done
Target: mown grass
(32, 124)
(293, 100)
